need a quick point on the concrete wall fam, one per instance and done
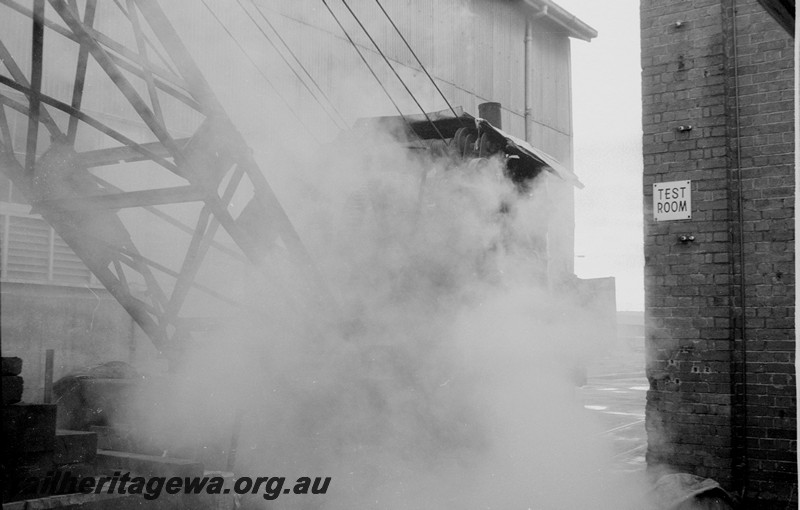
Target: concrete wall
(720, 310)
(597, 298)
(83, 326)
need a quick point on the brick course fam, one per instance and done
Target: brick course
(718, 407)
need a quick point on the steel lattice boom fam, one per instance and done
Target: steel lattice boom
(205, 160)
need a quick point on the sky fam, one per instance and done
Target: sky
(606, 102)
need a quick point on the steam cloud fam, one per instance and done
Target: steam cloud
(442, 380)
(442, 377)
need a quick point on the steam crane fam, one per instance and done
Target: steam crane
(83, 170)
(184, 137)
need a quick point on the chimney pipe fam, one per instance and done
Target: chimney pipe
(491, 113)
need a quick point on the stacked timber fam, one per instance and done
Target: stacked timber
(12, 381)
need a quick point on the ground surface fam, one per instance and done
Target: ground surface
(615, 392)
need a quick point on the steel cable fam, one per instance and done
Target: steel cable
(388, 62)
(299, 62)
(294, 71)
(366, 63)
(417, 58)
(263, 75)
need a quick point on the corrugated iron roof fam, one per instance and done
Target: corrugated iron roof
(532, 160)
(536, 155)
(574, 26)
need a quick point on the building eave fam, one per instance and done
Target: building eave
(783, 11)
(554, 12)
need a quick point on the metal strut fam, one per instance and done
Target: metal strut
(214, 163)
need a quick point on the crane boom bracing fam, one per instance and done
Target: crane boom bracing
(155, 76)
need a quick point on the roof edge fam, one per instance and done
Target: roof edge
(576, 28)
(783, 11)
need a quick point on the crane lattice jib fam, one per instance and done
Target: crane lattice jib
(154, 76)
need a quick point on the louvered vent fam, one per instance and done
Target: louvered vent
(33, 252)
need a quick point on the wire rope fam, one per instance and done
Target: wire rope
(263, 75)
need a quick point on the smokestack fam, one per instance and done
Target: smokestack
(491, 112)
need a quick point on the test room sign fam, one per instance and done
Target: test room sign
(672, 200)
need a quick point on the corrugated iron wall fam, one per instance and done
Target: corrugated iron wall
(474, 49)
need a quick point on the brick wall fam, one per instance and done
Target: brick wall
(720, 340)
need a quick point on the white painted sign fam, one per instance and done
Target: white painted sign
(672, 200)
